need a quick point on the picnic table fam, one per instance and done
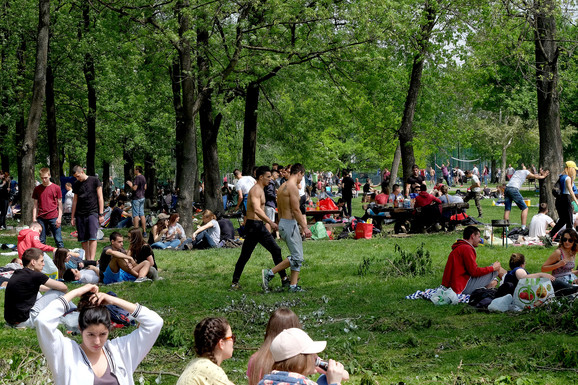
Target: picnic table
(402, 214)
(318, 215)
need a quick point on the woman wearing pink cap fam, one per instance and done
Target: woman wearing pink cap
(295, 356)
(565, 199)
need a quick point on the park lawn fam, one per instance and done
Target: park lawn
(354, 300)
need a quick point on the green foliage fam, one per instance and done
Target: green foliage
(412, 264)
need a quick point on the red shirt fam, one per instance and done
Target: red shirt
(462, 265)
(381, 199)
(48, 198)
(424, 199)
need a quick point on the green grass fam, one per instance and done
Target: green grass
(354, 300)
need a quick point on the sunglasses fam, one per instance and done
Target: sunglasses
(567, 240)
(231, 337)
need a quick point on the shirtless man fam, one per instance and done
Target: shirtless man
(255, 230)
(292, 226)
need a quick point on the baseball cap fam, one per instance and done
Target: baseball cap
(163, 216)
(571, 164)
(294, 341)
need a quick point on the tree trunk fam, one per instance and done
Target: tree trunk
(20, 100)
(151, 177)
(546, 53)
(493, 170)
(105, 180)
(186, 132)
(405, 130)
(394, 168)
(128, 167)
(28, 148)
(89, 75)
(504, 161)
(51, 130)
(250, 128)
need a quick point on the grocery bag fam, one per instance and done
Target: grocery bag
(318, 231)
(363, 230)
(327, 204)
(533, 292)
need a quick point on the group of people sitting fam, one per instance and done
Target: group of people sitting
(464, 276)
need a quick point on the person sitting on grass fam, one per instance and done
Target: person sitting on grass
(562, 263)
(140, 251)
(518, 271)
(209, 234)
(462, 273)
(30, 237)
(22, 303)
(540, 222)
(96, 360)
(174, 237)
(117, 266)
(8, 270)
(213, 344)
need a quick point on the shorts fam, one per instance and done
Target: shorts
(513, 194)
(138, 208)
(121, 276)
(289, 231)
(270, 212)
(87, 227)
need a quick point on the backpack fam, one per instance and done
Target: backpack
(557, 188)
(118, 315)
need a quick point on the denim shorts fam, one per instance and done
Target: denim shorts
(513, 194)
(138, 208)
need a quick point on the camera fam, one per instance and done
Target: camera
(322, 364)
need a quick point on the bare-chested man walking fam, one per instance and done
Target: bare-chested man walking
(292, 225)
(255, 230)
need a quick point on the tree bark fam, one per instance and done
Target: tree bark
(128, 167)
(51, 129)
(394, 168)
(405, 130)
(250, 128)
(151, 177)
(186, 133)
(28, 149)
(89, 75)
(105, 180)
(546, 53)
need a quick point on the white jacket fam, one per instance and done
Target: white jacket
(69, 364)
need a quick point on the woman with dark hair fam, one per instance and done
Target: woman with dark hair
(261, 362)
(96, 360)
(295, 356)
(213, 344)
(562, 263)
(159, 230)
(174, 236)
(140, 251)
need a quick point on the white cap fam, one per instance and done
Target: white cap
(294, 341)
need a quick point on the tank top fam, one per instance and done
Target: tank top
(107, 378)
(564, 270)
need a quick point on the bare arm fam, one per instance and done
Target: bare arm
(34, 210)
(56, 285)
(521, 274)
(568, 183)
(553, 262)
(59, 219)
(296, 211)
(118, 254)
(73, 210)
(100, 203)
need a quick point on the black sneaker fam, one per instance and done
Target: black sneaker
(235, 287)
(285, 283)
(266, 276)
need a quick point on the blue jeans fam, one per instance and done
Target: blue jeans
(513, 194)
(126, 222)
(163, 245)
(56, 231)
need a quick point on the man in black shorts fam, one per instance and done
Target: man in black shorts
(87, 210)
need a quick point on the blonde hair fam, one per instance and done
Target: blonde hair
(44, 171)
(301, 363)
(571, 171)
(208, 215)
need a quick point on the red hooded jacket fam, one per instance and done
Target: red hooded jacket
(461, 265)
(28, 238)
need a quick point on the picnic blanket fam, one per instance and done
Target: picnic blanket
(427, 294)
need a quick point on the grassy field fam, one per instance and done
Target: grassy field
(354, 300)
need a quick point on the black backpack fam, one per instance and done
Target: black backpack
(557, 188)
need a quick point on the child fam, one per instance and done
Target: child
(30, 237)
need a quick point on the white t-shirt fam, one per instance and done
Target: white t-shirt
(518, 179)
(475, 171)
(245, 184)
(539, 224)
(475, 179)
(88, 276)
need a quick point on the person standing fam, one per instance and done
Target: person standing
(87, 210)
(47, 208)
(347, 186)
(475, 192)
(512, 192)
(565, 199)
(5, 192)
(255, 230)
(292, 227)
(414, 180)
(139, 186)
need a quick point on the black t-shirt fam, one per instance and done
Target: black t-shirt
(104, 261)
(144, 253)
(348, 185)
(415, 180)
(227, 229)
(115, 217)
(366, 188)
(87, 199)
(21, 294)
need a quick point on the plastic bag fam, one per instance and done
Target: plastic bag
(327, 204)
(501, 304)
(363, 230)
(533, 292)
(318, 231)
(444, 297)
(49, 268)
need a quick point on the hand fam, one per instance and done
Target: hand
(307, 233)
(194, 236)
(334, 372)
(100, 219)
(129, 183)
(496, 265)
(81, 265)
(85, 289)
(72, 221)
(274, 226)
(58, 222)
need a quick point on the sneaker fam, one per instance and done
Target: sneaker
(267, 275)
(142, 279)
(235, 287)
(285, 283)
(296, 289)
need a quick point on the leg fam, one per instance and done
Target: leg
(43, 232)
(524, 216)
(91, 250)
(564, 209)
(143, 222)
(246, 250)
(291, 235)
(477, 199)
(268, 242)
(85, 247)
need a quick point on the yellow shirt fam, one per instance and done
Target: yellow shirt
(202, 371)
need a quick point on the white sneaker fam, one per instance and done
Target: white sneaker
(142, 279)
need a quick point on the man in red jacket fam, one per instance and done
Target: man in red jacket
(462, 273)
